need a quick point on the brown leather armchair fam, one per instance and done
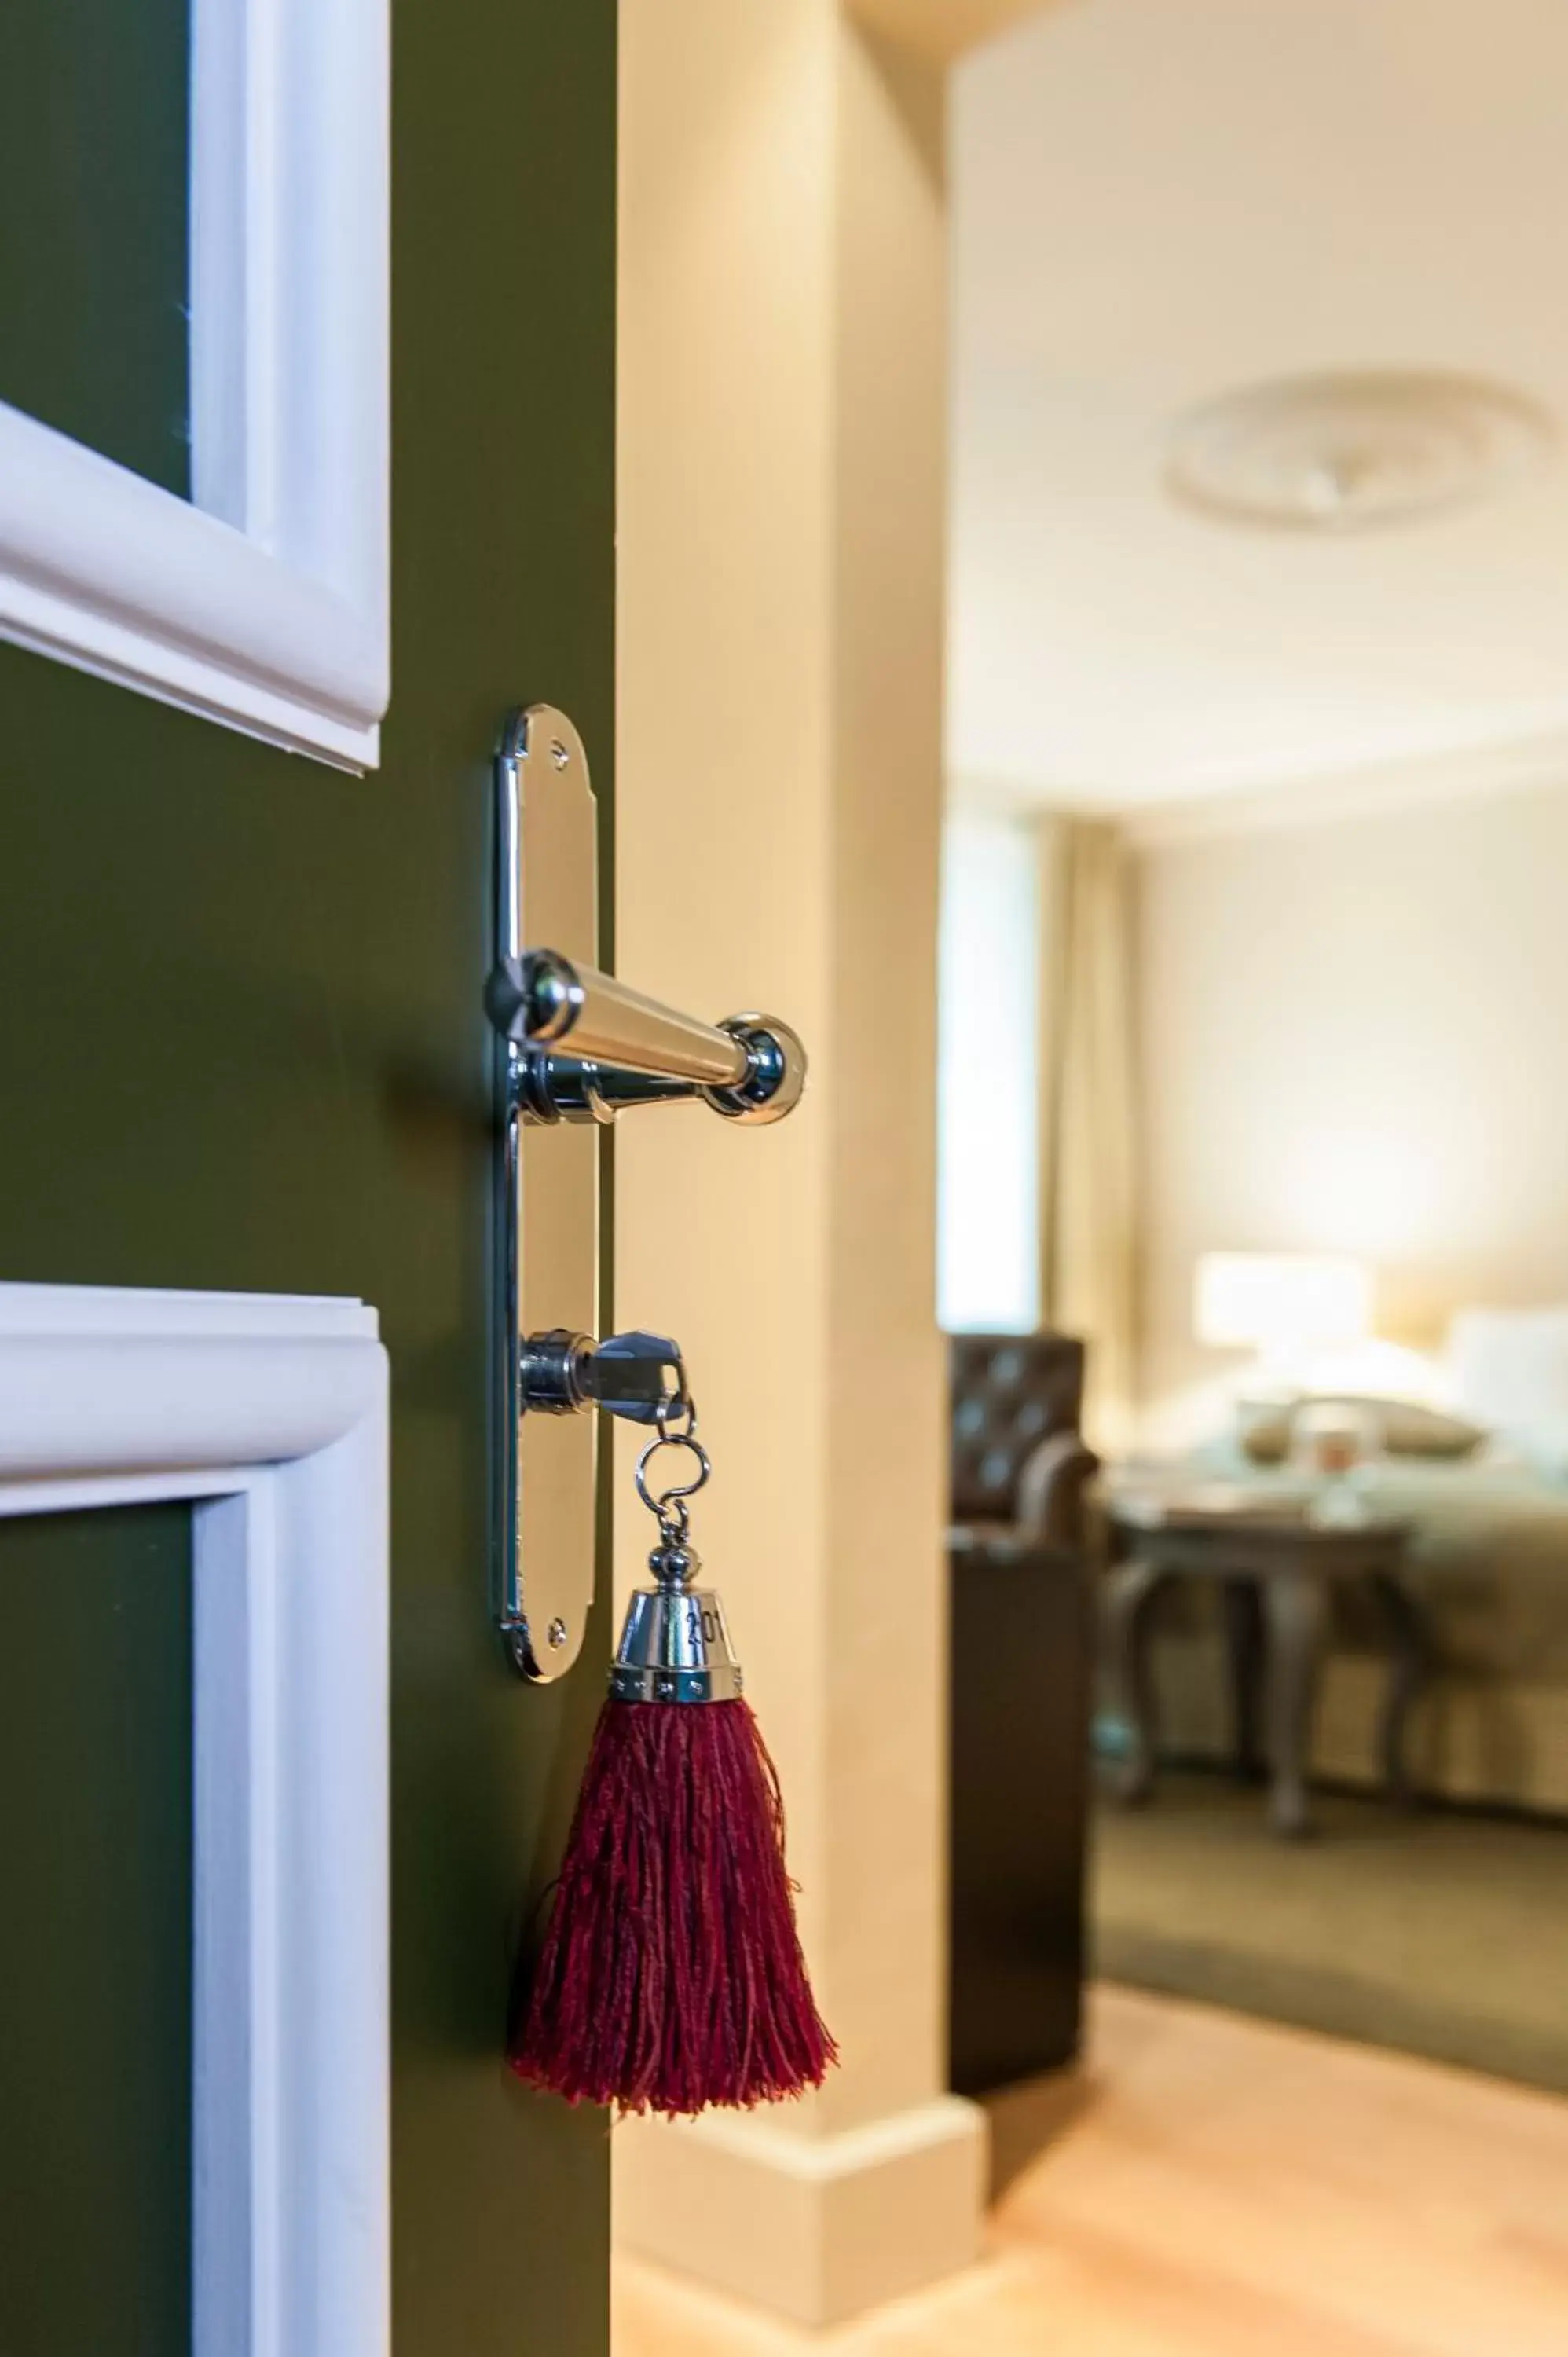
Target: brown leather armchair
(1018, 1457)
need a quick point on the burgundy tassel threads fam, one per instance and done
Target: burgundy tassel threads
(672, 1976)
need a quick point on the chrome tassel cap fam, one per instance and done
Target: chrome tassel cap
(675, 1646)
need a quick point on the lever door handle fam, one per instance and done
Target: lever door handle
(750, 1068)
(573, 1046)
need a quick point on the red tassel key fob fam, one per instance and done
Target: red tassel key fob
(671, 1975)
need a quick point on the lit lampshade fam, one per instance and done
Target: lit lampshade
(1281, 1304)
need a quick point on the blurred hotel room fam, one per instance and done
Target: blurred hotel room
(1253, 1194)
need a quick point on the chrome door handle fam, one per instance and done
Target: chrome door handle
(599, 1045)
(575, 1046)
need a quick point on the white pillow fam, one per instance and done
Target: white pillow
(1510, 1372)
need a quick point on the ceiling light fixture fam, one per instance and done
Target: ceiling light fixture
(1345, 450)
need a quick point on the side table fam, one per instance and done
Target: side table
(1276, 1569)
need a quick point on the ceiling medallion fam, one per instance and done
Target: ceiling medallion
(1345, 450)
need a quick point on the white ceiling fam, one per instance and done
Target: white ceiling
(1158, 200)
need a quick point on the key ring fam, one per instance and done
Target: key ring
(670, 1505)
(679, 1490)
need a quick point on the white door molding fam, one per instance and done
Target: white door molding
(269, 1413)
(262, 600)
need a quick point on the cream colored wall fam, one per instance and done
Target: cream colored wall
(1351, 1041)
(725, 724)
(782, 364)
(883, 1637)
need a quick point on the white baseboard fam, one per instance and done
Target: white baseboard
(817, 2228)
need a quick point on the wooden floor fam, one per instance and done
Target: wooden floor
(1221, 2187)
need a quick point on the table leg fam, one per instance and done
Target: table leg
(1407, 1675)
(1296, 1609)
(1127, 1590)
(1244, 1644)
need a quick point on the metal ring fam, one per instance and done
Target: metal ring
(656, 1505)
(677, 1403)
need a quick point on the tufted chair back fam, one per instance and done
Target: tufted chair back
(1009, 1392)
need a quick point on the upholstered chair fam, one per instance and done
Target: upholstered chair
(1018, 1457)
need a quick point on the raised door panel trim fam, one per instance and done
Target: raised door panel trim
(263, 600)
(270, 1416)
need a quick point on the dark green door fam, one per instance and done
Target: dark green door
(241, 1046)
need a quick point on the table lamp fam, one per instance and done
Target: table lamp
(1285, 1306)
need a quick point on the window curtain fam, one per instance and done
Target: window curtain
(1088, 1160)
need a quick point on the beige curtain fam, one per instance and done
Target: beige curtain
(1089, 1243)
